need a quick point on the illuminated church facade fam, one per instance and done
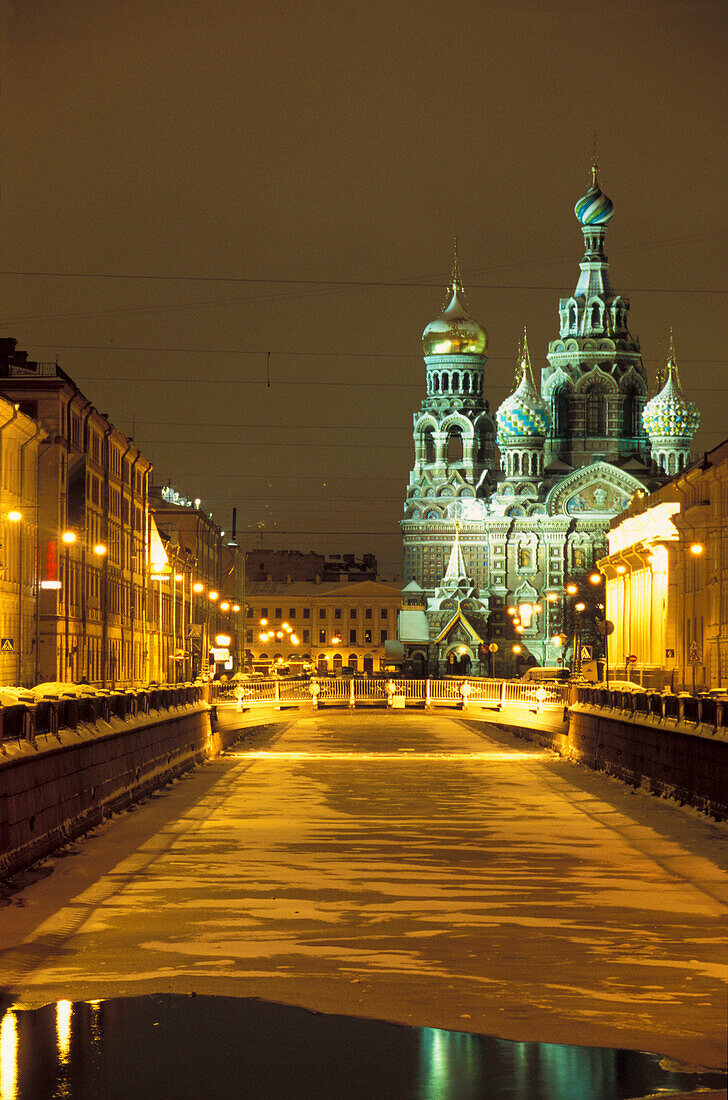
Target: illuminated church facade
(505, 510)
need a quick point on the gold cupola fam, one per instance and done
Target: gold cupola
(454, 332)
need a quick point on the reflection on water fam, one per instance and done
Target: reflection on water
(180, 1048)
(8, 1057)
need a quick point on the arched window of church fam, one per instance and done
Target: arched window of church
(456, 382)
(596, 316)
(429, 446)
(466, 383)
(671, 465)
(630, 413)
(436, 383)
(516, 464)
(445, 381)
(596, 411)
(455, 445)
(572, 317)
(561, 412)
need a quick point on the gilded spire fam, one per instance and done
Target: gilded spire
(455, 288)
(523, 365)
(670, 368)
(526, 368)
(594, 163)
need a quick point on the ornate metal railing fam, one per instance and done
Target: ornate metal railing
(353, 691)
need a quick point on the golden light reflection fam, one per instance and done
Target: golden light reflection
(64, 1012)
(9, 1057)
(404, 756)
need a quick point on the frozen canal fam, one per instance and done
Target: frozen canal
(407, 868)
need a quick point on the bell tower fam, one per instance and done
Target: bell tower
(595, 382)
(454, 438)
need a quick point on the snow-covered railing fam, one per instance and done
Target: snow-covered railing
(700, 709)
(36, 714)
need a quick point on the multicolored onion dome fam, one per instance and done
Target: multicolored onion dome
(523, 414)
(454, 333)
(668, 414)
(594, 208)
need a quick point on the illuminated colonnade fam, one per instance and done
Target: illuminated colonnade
(639, 578)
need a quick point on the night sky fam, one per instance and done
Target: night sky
(187, 186)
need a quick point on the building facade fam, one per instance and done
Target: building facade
(20, 441)
(667, 581)
(507, 513)
(329, 625)
(92, 528)
(198, 593)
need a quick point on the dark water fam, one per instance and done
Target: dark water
(176, 1047)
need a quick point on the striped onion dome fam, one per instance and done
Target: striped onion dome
(594, 208)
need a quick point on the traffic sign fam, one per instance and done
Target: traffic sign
(7, 645)
(605, 627)
(493, 647)
(586, 653)
(632, 659)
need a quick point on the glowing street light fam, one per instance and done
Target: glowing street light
(517, 649)
(68, 537)
(263, 622)
(100, 550)
(552, 597)
(572, 589)
(696, 548)
(213, 595)
(224, 606)
(198, 587)
(15, 516)
(595, 578)
(579, 607)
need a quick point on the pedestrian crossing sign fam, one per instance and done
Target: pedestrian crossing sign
(7, 645)
(586, 653)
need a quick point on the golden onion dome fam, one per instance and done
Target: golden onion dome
(454, 332)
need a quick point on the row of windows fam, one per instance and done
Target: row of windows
(324, 638)
(262, 613)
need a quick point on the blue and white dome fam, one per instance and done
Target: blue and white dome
(523, 415)
(594, 208)
(668, 415)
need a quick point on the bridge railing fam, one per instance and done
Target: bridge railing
(452, 691)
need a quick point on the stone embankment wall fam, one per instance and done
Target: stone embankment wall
(685, 760)
(71, 762)
(665, 744)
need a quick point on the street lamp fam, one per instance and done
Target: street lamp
(101, 553)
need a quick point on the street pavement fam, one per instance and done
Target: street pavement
(410, 867)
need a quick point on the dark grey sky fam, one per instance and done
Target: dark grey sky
(289, 178)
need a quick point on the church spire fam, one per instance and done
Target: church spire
(456, 566)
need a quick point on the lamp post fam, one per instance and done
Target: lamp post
(68, 538)
(16, 517)
(101, 553)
